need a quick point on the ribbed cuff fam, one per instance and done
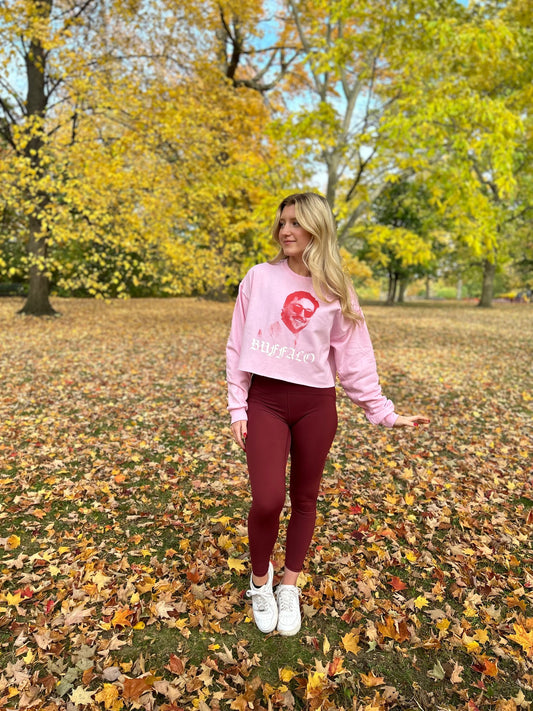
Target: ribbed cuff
(389, 420)
(239, 414)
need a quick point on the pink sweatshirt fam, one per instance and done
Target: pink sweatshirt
(282, 330)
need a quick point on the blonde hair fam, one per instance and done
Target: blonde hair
(321, 256)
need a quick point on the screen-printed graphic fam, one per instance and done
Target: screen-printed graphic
(280, 339)
(298, 309)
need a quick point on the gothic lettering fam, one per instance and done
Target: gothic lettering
(274, 350)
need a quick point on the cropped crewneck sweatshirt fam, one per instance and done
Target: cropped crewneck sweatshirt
(281, 329)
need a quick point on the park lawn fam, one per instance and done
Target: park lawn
(123, 540)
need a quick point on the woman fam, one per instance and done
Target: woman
(296, 325)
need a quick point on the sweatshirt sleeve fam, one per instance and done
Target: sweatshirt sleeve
(238, 380)
(356, 367)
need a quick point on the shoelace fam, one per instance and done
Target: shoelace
(287, 599)
(259, 599)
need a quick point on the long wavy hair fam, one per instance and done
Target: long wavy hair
(321, 256)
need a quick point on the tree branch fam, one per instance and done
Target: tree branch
(234, 35)
(484, 181)
(5, 126)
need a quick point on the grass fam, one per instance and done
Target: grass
(122, 495)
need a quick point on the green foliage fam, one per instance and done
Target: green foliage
(12, 252)
(142, 160)
(463, 122)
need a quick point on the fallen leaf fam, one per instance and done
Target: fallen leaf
(350, 642)
(236, 564)
(524, 638)
(371, 679)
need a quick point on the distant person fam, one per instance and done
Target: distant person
(282, 396)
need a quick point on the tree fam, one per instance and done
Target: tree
(138, 164)
(463, 117)
(244, 58)
(407, 238)
(342, 93)
(344, 78)
(24, 130)
(393, 90)
(150, 140)
(47, 61)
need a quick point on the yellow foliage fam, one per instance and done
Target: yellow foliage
(359, 271)
(156, 171)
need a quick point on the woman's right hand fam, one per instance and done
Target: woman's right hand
(239, 431)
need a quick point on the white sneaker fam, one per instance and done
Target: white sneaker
(264, 603)
(289, 617)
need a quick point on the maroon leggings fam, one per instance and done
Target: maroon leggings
(286, 418)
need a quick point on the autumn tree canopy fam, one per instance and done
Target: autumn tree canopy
(144, 145)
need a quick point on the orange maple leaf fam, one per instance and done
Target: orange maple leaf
(371, 679)
(489, 668)
(240, 703)
(175, 664)
(523, 638)
(396, 583)
(109, 695)
(134, 688)
(335, 667)
(120, 618)
(391, 628)
(350, 642)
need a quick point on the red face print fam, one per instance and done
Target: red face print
(298, 309)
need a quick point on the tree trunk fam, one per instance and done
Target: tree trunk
(37, 303)
(403, 288)
(459, 292)
(428, 288)
(393, 282)
(487, 289)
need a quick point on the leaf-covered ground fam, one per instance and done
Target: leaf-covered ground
(123, 521)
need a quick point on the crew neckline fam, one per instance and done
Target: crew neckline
(302, 276)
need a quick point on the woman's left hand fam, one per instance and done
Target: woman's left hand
(411, 420)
